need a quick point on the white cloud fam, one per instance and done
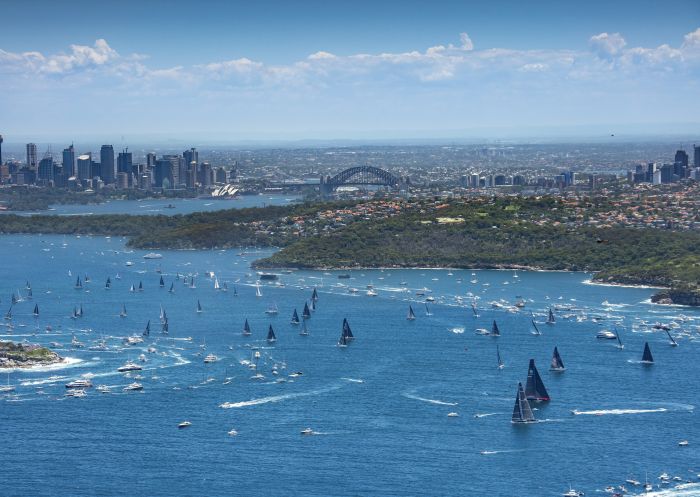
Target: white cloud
(466, 42)
(607, 46)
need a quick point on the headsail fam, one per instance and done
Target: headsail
(162, 282)
(147, 331)
(534, 325)
(550, 317)
(647, 357)
(314, 295)
(522, 413)
(36, 310)
(534, 388)
(306, 314)
(295, 317)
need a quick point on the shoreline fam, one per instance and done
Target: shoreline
(64, 362)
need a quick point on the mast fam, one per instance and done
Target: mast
(411, 315)
(534, 325)
(619, 342)
(534, 388)
(474, 310)
(500, 361)
(670, 337)
(522, 413)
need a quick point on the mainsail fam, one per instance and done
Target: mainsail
(306, 314)
(534, 388)
(271, 335)
(500, 361)
(411, 315)
(304, 331)
(521, 411)
(147, 331)
(295, 317)
(550, 317)
(314, 295)
(494, 329)
(162, 282)
(557, 363)
(246, 329)
(647, 357)
(346, 330)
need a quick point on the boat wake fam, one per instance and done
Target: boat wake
(353, 380)
(492, 452)
(616, 412)
(682, 490)
(277, 398)
(410, 395)
(68, 362)
(485, 414)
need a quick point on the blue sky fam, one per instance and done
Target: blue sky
(272, 70)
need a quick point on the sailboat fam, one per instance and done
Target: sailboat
(258, 293)
(306, 313)
(29, 294)
(619, 342)
(78, 284)
(476, 315)
(235, 291)
(75, 313)
(550, 317)
(122, 313)
(36, 310)
(192, 285)
(534, 325)
(343, 341)
(534, 388)
(304, 330)
(347, 331)
(161, 283)
(313, 306)
(314, 295)
(216, 284)
(140, 286)
(164, 327)
(522, 413)
(670, 337)
(132, 289)
(199, 306)
(246, 329)
(411, 316)
(14, 299)
(8, 314)
(172, 288)
(108, 283)
(225, 287)
(647, 358)
(272, 310)
(147, 331)
(80, 311)
(494, 329)
(295, 317)
(500, 361)
(427, 310)
(271, 335)
(8, 388)
(557, 364)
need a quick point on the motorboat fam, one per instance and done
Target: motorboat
(606, 335)
(572, 493)
(80, 384)
(152, 255)
(211, 358)
(133, 340)
(232, 433)
(133, 387)
(129, 366)
(683, 443)
(103, 389)
(452, 415)
(76, 393)
(307, 431)
(184, 424)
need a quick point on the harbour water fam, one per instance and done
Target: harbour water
(378, 408)
(165, 207)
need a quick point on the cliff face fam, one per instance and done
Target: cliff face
(677, 297)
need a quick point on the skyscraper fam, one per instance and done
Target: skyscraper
(107, 160)
(124, 162)
(0, 150)
(46, 169)
(31, 156)
(69, 161)
(191, 155)
(696, 155)
(85, 167)
(680, 164)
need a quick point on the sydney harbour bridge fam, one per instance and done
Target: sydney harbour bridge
(360, 175)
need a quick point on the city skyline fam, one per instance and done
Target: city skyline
(275, 72)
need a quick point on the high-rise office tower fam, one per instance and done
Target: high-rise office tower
(69, 161)
(696, 155)
(680, 163)
(124, 162)
(191, 155)
(46, 170)
(107, 160)
(84, 167)
(31, 156)
(0, 150)
(150, 159)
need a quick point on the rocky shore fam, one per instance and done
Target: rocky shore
(14, 355)
(677, 297)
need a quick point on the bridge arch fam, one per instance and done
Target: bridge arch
(362, 175)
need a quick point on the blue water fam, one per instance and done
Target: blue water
(160, 206)
(379, 407)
